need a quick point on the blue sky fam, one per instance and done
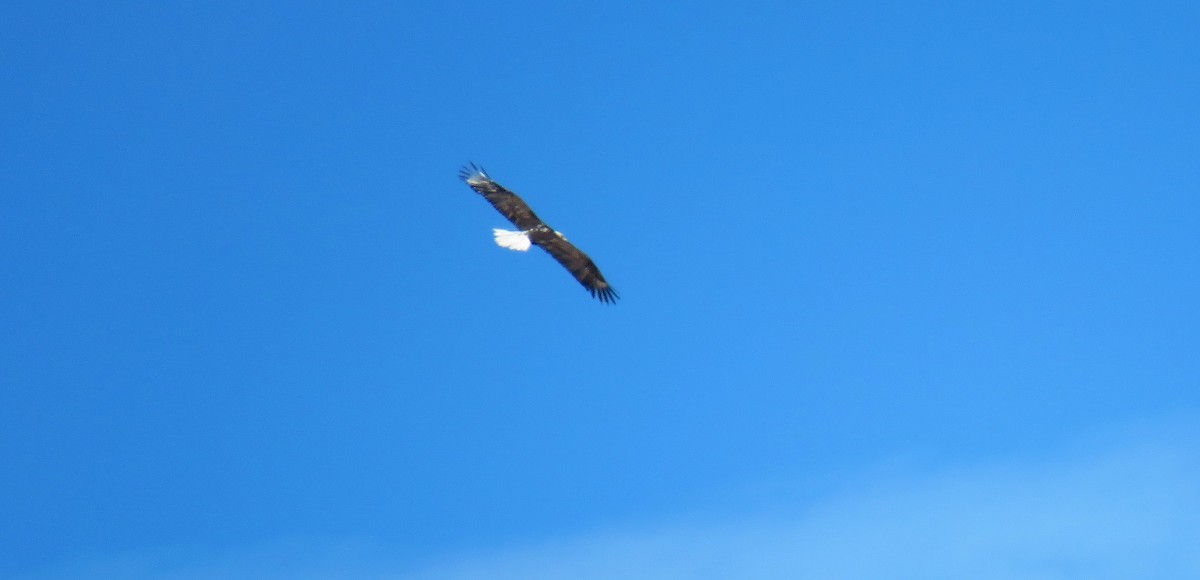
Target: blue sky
(905, 287)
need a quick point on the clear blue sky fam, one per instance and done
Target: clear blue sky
(906, 287)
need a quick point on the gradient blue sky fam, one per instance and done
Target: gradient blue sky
(908, 288)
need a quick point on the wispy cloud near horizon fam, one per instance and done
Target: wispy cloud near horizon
(1125, 509)
(1130, 510)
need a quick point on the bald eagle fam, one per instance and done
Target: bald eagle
(533, 231)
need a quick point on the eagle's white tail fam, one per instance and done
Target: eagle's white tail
(518, 241)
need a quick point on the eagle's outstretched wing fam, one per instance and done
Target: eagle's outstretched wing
(575, 261)
(509, 204)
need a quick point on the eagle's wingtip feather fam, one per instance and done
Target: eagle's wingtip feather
(606, 294)
(472, 174)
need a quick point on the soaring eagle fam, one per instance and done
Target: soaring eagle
(534, 231)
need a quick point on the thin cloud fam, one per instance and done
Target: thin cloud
(1129, 509)
(1131, 512)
